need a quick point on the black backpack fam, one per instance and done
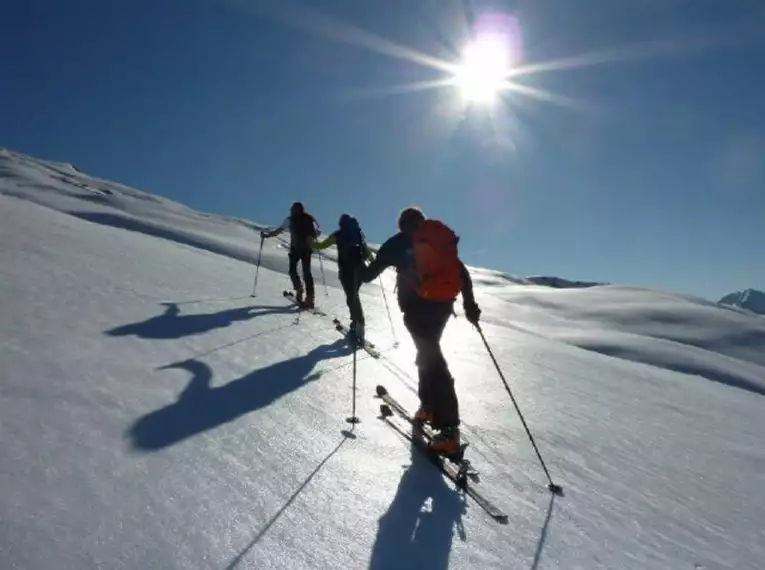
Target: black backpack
(305, 227)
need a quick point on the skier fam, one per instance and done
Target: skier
(303, 229)
(352, 251)
(430, 276)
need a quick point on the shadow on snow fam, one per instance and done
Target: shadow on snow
(247, 252)
(686, 366)
(201, 407)
(416, 531)
(172, 324)
(188, 238)
(543, 534)
(239, 557)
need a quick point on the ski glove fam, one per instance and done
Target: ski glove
(472, 312)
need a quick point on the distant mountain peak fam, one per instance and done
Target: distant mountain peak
(749, 299)
(560, 282)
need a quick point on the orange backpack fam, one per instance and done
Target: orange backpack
(439, 272)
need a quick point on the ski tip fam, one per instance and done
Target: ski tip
(381, 391)
(555, 489)
(385, 411)
(348, 433)
(502, 519)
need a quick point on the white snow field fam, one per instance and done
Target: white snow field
(154, 415)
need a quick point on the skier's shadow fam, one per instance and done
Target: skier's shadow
(412, 534)
(172, 324)
(201, 407)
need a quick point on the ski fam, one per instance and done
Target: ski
(458, 472)
(291, 296)
(365, 344)
(466, 468)
(446, 467)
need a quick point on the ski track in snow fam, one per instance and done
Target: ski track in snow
(155, 415)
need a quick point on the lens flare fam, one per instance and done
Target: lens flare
(485, 64)
(489, 59)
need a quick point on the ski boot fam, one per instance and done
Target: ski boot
(420, 418)
(299, 296)
(423, 416)
(447, 442)
(356, 332)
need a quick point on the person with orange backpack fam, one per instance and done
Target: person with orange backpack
(303, 229)
(430, 276)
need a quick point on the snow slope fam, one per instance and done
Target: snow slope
(155, 415)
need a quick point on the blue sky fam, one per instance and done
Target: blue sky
(647, 169)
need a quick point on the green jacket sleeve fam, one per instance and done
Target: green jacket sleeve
(329, 241)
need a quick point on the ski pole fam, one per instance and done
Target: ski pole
(556, 489)
(354, 419)
(387, 308)
(323, 279)
(257, 269)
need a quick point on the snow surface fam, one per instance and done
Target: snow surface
(155, 415)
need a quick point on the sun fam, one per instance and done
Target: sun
(482, 73)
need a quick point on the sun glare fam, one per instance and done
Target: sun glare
(481, 75)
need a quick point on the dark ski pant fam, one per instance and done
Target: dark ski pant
(426, 322)
(304, 257)
(350, 279)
